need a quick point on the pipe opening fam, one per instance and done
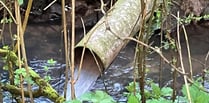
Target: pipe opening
(91, 69)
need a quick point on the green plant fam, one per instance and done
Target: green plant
(197, 93)
(155, 95)
(133, 95)
(50, 62)
(191, 17)
(94, 97)
(22, 71)
(20, 2)
(6, 20)
(163, 95)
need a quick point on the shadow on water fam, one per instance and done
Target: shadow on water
(46, 42)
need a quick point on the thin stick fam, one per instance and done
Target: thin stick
(188, 51)
(50, 5)
(181, 59)
(157, 51)
(27, 15)
(67, 59)
(23, 27)
(19, 53)
(141, 52)
(83, 52)
(73, 51)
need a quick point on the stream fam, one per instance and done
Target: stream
(44, 42)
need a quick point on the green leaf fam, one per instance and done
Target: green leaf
(5, 67)
(73, 101)
(180, 99)
(29, 80)
(156, 90)
(20, 2)
(197, 95)
(17, 81)
(160, 100)
(46, 68)
(51, 62)
(133, 99)
(133, 86)
(47, 77)
(166, 91)
(6, 47)
(97, 97)
(166, 45)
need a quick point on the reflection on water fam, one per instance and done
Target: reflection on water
(43, 43)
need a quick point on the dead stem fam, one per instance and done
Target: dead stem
(27, 15)
(23, 27)
(157, 51)
(19, 53)
(83, 52)
(67, 58)
(73, 51)
(174, 80)
(50, 4)
(188, 51)
(181, 58)
(141, 53)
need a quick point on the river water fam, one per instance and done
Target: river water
(44, 42)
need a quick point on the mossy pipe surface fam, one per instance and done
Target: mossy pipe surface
(105, 39)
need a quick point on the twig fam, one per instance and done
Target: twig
(8, 11)
(158, 52)
(188, 51)
(83, 51)
(50, 5)
(27, 15)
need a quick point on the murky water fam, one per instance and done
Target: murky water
(46, 42)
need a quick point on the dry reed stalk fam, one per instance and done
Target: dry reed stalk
(20, 32)
(188, 52)
(67, 58)
(18, 50)
(73, 51)
(181, 58)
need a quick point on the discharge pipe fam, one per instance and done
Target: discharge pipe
(105, 40)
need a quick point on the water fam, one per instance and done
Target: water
(46, 42)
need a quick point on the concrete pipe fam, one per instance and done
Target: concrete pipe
(105, 40)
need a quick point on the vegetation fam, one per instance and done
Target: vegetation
(139, 91)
